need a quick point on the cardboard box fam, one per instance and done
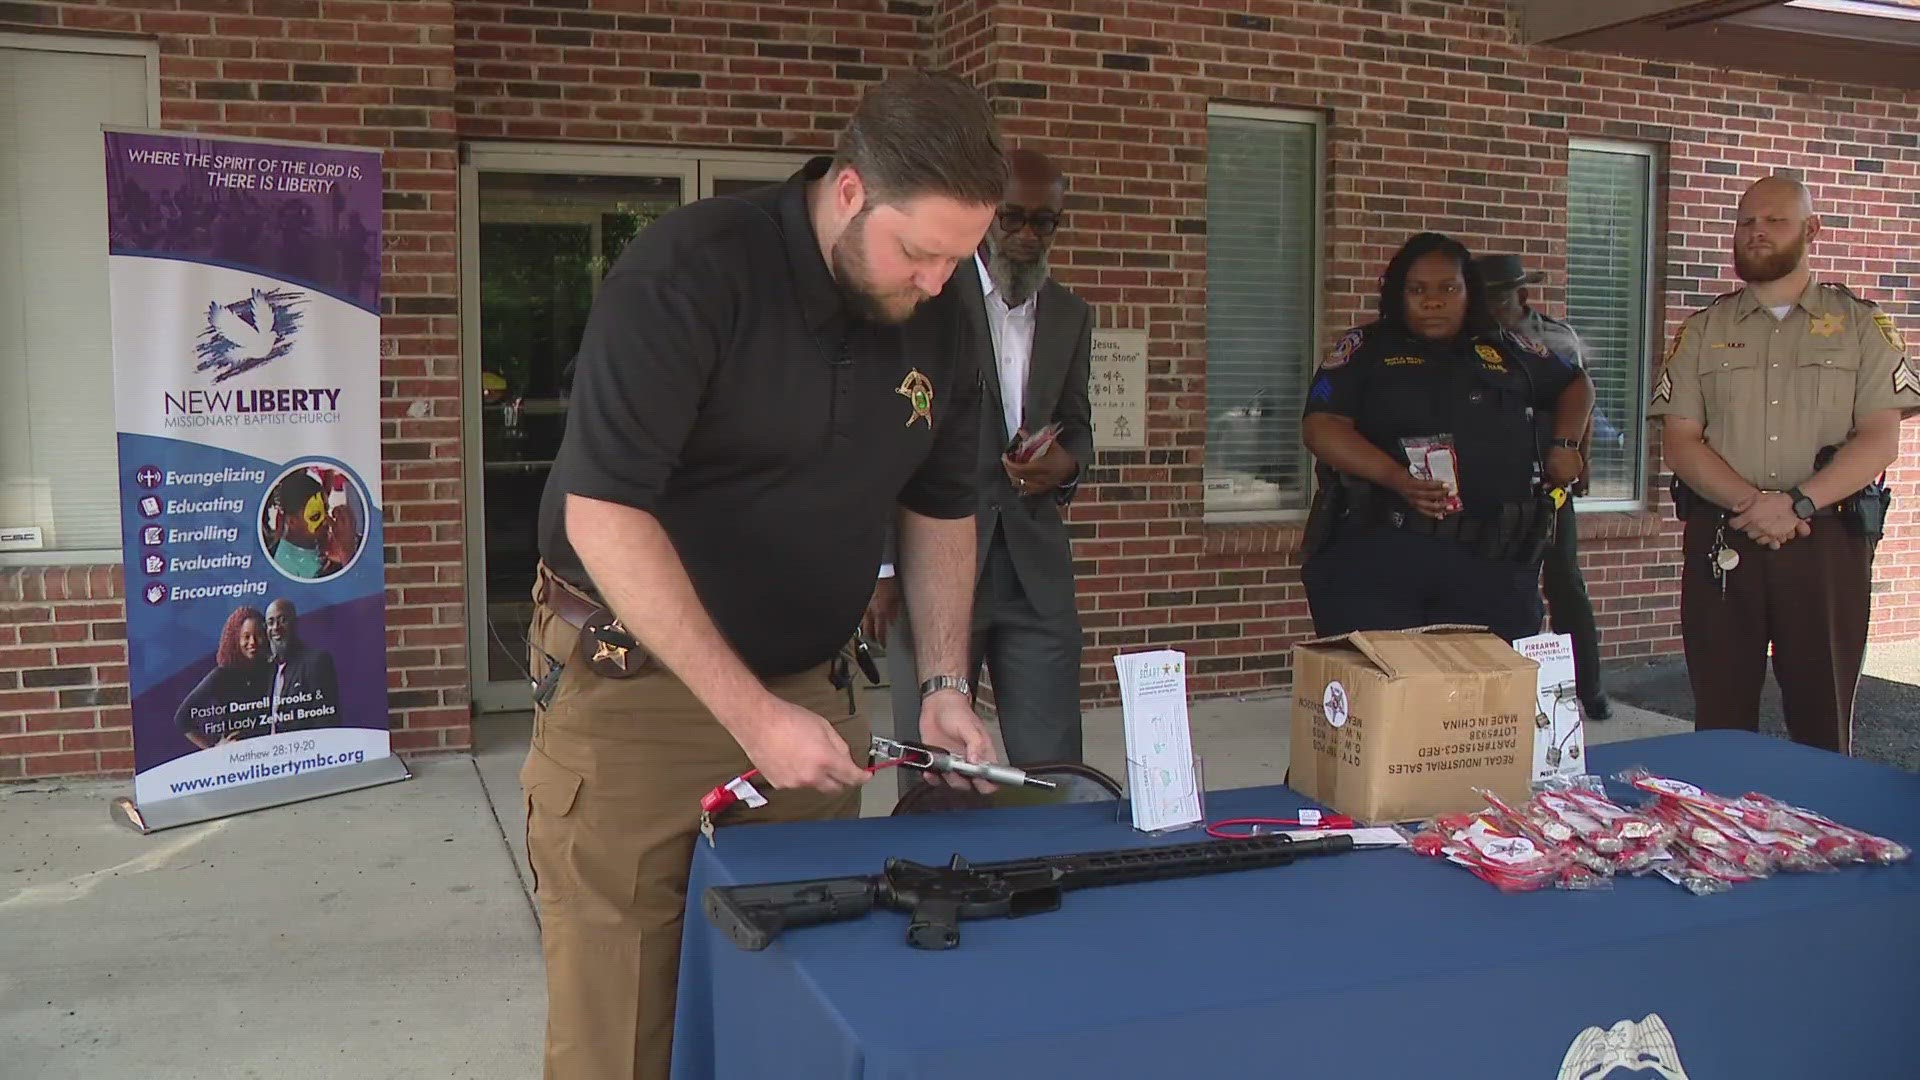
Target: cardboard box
(1401, 725)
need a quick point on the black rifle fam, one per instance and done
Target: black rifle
(936, 898)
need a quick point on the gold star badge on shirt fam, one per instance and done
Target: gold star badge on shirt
(918, 390)
(1827, 325)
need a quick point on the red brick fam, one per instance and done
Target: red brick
(62, 721)
(61, 764)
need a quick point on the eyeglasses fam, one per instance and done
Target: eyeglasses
(1014, 218)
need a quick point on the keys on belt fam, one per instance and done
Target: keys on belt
(1722, 559)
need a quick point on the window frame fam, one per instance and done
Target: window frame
(1317, 231)
(148, 50)
(1652, 303)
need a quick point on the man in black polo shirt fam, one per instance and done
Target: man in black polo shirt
(765, 384)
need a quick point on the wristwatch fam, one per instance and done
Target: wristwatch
(1568, 444)
(1803, 507)
(946, 682)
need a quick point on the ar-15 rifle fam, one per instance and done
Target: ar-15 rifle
(936, 898)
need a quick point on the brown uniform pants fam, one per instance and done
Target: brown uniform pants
(1810, 600)
(613, 785)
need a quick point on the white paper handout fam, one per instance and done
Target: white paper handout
(1161, 778)
(1559, 731)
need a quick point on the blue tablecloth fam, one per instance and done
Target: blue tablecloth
(1368, 964)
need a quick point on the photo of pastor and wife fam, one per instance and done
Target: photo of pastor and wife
(265, 681)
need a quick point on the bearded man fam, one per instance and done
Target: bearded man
(1035, 340)
(767, 385)
(1782, 404)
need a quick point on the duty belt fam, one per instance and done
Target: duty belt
(605, 645)
(1514, 531)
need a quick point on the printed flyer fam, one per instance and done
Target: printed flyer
(245, 281)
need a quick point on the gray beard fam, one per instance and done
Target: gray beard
(1016, 281)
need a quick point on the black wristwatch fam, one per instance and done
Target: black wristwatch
(1803, 507)
(946, 682)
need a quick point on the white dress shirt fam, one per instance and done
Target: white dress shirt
(1013, 350)
(1012, 344)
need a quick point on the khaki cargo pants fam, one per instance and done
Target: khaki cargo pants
(613, 784)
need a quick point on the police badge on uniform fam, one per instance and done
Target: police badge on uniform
(918, 390)
(1490, 358)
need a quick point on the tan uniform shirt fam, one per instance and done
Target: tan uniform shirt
(1771, 392)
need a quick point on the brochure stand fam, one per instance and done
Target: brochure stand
(1140, 778)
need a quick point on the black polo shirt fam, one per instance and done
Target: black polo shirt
(1492, 393)
(722, 386)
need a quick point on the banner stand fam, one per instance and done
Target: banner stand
(194, 809)
(244, 300)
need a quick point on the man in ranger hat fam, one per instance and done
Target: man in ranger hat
(1507, 278)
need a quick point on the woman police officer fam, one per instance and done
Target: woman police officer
(1390, 549)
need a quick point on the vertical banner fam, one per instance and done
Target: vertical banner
(245, 281)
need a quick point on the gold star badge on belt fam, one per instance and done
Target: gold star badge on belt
(918, 390)
(1827, 325)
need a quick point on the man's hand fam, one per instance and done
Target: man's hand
(1430, 497)
(795, 748)
(882, 609)
(1043, 474)
(1563, 466)
(947, 720)
(1768, 519)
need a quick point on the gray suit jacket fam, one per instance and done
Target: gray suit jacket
(1056, 391)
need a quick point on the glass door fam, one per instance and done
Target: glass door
(540, 231)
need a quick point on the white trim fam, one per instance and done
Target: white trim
(1653, 302)
(149, 51)
(1318, 122)
(76, 557)
(145, 48)
(770, 168)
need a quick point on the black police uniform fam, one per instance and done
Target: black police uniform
(1377, 564)
(724, 387)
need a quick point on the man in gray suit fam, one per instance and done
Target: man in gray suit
(1026, 626)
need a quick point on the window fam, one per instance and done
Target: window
(58, 459)
(1263, 274)
(1610, 221)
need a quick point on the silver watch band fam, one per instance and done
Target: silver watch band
(946, 682)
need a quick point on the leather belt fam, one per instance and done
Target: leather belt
(616, 653)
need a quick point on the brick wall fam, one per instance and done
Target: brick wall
(1436, 119)
(371, 74)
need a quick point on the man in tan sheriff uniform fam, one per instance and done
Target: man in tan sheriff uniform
(1753, 388)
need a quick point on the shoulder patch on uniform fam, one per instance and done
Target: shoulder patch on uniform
(1663, 390)
(1343, 349)
(1679, 334)
(1887, 330)
(1904, 380)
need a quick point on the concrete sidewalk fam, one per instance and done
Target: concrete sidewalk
(375, 934)
(380, 933)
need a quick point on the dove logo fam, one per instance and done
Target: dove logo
(247, 333)
(1644, 1047)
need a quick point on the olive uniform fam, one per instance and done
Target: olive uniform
(1771, 391)
(1374, 563)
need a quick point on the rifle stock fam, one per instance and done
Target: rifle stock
(753, 915)
(937, 898)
